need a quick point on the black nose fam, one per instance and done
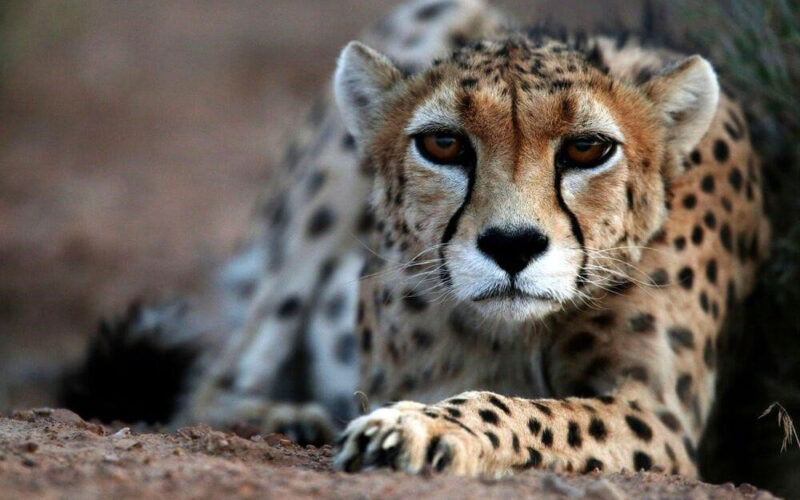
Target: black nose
(512, 249)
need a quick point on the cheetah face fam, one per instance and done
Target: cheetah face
(529, 177)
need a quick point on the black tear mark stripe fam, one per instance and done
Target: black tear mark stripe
(452, 224)
(577, 232)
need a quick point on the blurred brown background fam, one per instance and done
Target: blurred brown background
(134, 138)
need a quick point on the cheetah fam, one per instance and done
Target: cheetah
(558, 227)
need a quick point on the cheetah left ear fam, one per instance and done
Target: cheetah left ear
(687, 95)
(363, 77)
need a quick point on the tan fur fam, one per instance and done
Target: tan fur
(638, 333)
(634, 347)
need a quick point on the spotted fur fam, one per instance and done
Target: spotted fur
(609, 365)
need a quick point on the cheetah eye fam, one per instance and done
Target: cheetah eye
(585, 152)
(444, 148)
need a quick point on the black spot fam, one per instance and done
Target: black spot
(488, 416)
(534, 426)
(709, 354)
(493, 438)
(335, 306)
(735, 179)
(579, 343)
(609, 400)
(422, 339)
(414, 302)
(726, 204)
(345, 350)
(320, 222)
(710, 220)
(469, 83)
(315, 183)
(289, 307)
(639, 427)
(456, 401)
(534, 458)
(597, 429)
(454, 412)
(690, 201)
(634, 405)
(684, 387)
(711, 271)
(659, 277)
(642, 461)
(680, 337)
(707, 184)
(593, 464)
(670, 453)
(547, 437)
(686, 278)
(704, 301)
(670, 421)
(726, 238)
(643, 323)
(349, 142)
(690, 449)
(697, 235)
(542, 408)
(680, 243)
(696, 157)
(515, 442)
(428, 12)
(721, 151)
(495, 401)
(574, 438)
(603, 320)
(366, 340)
(629, 193)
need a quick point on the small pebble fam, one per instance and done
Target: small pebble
(122, 433)
(29, 447)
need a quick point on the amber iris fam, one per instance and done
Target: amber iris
(586, 153)
(441, 148)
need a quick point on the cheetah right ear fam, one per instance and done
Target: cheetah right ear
(363, 77)
(687, 95)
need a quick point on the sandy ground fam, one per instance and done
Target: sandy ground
(54, 454)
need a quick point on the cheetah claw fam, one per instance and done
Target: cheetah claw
(404, 438)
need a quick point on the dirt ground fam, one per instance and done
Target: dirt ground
(54, 454)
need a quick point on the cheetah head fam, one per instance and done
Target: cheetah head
(530, 176)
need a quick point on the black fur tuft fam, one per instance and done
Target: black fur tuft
(129, 375)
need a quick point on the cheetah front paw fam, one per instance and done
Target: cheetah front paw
(409, 437)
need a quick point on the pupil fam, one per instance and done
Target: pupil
(445, 142)
(583, 146)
